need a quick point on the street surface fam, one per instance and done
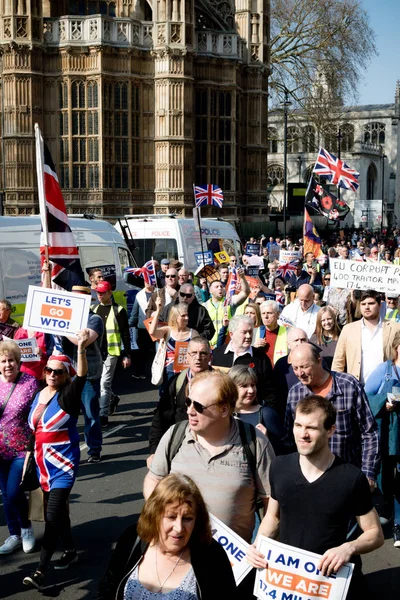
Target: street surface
(107, 497)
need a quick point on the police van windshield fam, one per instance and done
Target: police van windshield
(156, 248)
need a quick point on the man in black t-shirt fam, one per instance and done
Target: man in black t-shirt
(314, 494)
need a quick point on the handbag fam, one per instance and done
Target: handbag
(30, 481)
(157, 368)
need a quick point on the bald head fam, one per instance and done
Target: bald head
(307, 365)
(305, 294)
(295, 337)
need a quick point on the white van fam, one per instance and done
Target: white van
(167, 236)
(99, 246)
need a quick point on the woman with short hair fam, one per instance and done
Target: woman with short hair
(170, 553)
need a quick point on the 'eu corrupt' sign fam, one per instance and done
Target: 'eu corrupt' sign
(56, 311)
(360, 275)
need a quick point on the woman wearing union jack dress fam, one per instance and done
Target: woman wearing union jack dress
(53, 421)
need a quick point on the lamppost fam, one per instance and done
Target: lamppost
(286, 105)
(383, 156)
(299, 163)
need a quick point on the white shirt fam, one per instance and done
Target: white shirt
(229, 348)
(371, 349)
(304, 320)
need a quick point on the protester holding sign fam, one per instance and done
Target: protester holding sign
(313, 496)
(170, 552)
(16, 392)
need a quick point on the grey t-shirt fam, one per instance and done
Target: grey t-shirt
(224, 479)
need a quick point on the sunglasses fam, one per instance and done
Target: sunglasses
(197, 406)
(57, 372)
(327, 279)
(170, 276)
(183, 295)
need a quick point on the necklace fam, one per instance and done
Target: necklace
(159, 591)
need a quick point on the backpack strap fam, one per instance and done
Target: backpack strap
(248, 439)
(175, 442)
(180, 381)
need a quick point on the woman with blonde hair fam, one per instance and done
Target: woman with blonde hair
(170, 553)
(176, 331)
(327, 333)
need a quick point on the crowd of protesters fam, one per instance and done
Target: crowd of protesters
(290, 387)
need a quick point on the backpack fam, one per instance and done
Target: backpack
(247, 437)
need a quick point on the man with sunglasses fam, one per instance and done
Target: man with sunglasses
(168, 294)
(172, 405)
(213, 455)
(199, 319)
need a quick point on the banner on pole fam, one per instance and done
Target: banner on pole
(234, 546)
(56, 311)
(208, 258)
(357, 275)
(293, 573)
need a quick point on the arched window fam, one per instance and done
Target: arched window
(309, 139)
(293, 140)
(331, 139)
(372, 177)
(272, 140)
(374, 133)
(347, 137)
(274, 175)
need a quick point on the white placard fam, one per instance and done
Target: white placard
(292, 574)
(255, 261)
(285, 256)
(357, 275)
(234, 546)
(56, 311)
(27, 346)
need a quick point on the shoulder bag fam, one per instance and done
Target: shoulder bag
(157, 368)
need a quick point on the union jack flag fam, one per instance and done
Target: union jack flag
(280, 298)
(208, 195)
(66, 269)
(148, 272)
(287, 268)
(336, 171)
(231, 286)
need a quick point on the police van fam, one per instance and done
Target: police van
(100, 245)
(167, 236)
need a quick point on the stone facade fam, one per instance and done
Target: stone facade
(137, 101)
(369, 144)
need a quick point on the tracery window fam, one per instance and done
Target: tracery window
(374, 133)
(274, 175)
(309, 139)
(272, 140)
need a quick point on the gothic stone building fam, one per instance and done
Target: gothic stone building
(137, 101)
(369, 143)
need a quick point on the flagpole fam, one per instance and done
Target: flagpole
(198, 210)
(41, 190)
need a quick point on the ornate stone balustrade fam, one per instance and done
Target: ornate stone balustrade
(221, 44)
(97, 30)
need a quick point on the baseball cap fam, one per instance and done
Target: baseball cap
(103, 286)
(165, 261)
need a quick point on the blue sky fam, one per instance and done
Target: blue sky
(378, 84)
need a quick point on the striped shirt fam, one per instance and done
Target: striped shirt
(356, 436)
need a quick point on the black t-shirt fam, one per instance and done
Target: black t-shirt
(315, 516)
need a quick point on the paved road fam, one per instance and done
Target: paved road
(107, 498)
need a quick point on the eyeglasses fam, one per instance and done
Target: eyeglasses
(183, 295)
(233, 260)
(197, 406)
(200, 354)
(170, 276)
(49, 370)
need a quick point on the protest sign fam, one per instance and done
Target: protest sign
(253, 249)
(6, 331)
(209, 272)
(255, 261)
(273, 252)
(234, 546)
(56, 311)
(108, 272)
(222, 257)
(357, 275)
(147, 323)
(204, 258)
(286, 256)
(27, 347)
(252, 271)
(254, 284)
(293, 574)
(180, 359)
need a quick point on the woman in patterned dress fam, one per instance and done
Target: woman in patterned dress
(53, 420)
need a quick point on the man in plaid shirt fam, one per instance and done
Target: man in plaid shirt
(356, 436)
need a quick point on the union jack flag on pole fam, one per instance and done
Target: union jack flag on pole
(148, 272)
(287, 268)
(208, 195)
(57, 243)
(231, 286)
(336, 171)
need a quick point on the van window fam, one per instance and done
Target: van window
(125, 258)
(21, 268)
(157, 248)
(96, 256)
(216, 245)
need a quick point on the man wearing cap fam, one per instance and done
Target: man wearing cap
(116, 330)
(161, 274)
(91, 391)
(392, 308)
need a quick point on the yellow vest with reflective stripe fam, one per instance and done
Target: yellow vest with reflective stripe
(391, 315)
(113, 335)
(280, 348)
